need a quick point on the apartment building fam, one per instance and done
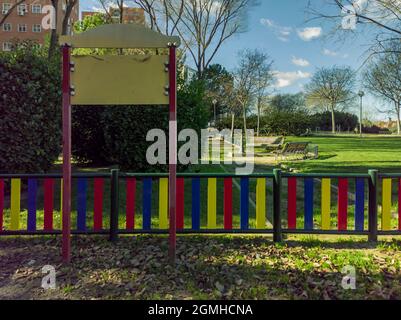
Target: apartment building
(25, 21)
(130, 15)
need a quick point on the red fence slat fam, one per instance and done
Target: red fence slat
(1, 203)
(342, 204)
(228, 204)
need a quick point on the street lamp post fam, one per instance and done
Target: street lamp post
(361, 95)
(214, 108)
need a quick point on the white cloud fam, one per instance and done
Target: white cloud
(282, 32)
(300, 62)
(330, 53)
(286, 79)
(308, 34)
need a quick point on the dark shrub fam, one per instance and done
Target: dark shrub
(30, 108)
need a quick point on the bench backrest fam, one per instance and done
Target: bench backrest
(294, 147)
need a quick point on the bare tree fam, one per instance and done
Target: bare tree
(264, 78)
(251, 80)
(203, 25)
(381, 18)
(164, 15)
(383, 79)
(331, 88)
(69, 6)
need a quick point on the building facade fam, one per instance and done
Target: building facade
(25, 21)
(130, 15)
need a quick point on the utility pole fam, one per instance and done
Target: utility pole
(361, 95)
(214, 108)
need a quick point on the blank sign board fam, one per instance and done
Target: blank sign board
(119, 80)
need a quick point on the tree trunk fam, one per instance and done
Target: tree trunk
(398, 118)
(232, 124)
(333, 120)
(68, 10)
(53, 35)
(258, 127)
(245, 133)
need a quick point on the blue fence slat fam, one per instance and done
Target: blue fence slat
(147, 204)
(359, 204)
(81, 204)
(308, 203)
(32, 192)
(244, 206)
(196, 204)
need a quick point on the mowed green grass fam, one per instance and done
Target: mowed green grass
(349, 154)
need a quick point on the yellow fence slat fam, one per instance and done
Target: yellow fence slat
(212, 203)
(15, 204)
(163, 204)
(261, 203)
(386, 213)
(326, 204)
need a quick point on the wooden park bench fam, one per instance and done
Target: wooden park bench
(296, 149)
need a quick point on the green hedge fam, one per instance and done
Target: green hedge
(30, 108)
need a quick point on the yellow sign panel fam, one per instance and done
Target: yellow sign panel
(119, 80)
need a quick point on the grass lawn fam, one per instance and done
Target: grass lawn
(220, 267)
(349, 153)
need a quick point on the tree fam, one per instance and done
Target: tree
(218, 82)
(331, 88)
(381, 18)
(203, 25)
(383, 79)
(264, 78)
(288, 102)
(69, 6)
(164, 15)
(251, 79)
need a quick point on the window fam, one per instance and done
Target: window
(36, 8)
(7, 27)
(36, 28)
(22, 9)
(22, 28)
(6, 7)
(7, 46)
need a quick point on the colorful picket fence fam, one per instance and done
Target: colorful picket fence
(302, 204)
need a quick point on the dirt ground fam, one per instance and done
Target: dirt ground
(224, 267)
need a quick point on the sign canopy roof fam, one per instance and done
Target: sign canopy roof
(120, 36)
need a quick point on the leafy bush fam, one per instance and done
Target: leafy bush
(375, 130)
(281, 123)
(30, 108)
(347, 121)
(286, 123)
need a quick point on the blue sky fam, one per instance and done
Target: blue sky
(297, 47)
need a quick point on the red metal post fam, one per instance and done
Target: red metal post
(66, 206)
(173, 151)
